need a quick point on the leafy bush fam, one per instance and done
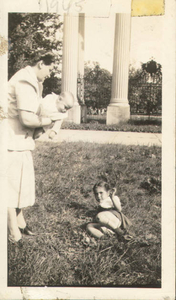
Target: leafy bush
(153, 126)
(97, 86)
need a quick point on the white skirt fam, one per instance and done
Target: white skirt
(21, 179)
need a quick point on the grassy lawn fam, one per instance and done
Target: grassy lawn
(62, 253)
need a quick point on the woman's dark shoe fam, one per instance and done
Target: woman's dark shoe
(18, 243)
(128, 237)
(27, 230)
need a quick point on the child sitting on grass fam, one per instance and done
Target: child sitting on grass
(55, 107)
(109, 218)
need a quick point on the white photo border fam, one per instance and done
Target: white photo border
(167, 291)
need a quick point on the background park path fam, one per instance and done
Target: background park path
(107, 137)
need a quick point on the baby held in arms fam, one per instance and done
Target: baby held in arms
(55, 107)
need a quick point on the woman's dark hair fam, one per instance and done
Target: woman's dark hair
(103, 184)
(47, 57)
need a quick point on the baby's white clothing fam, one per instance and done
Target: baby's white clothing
(49, 107)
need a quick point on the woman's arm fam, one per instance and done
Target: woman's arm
(28, 103)
(31, 120)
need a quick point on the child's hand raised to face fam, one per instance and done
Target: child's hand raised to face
(113, 191)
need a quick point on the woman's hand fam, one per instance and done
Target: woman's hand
(52, 134)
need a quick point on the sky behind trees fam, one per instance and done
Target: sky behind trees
(146, 40)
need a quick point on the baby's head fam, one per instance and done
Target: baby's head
(64, 102)
(101, 190)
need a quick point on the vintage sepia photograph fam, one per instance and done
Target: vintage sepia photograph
(85, 167)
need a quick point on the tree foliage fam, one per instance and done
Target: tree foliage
(145, 89)
(29, 32)
(52, 84)
(97, 86)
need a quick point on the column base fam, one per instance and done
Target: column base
(74, 114)
(117, 114)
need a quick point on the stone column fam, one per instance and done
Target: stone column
(119, 109)
(70, 63)
(81, 31)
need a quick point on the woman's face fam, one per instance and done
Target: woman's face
(101, 193)
(44, 71)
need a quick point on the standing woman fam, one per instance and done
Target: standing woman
(24, 97)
